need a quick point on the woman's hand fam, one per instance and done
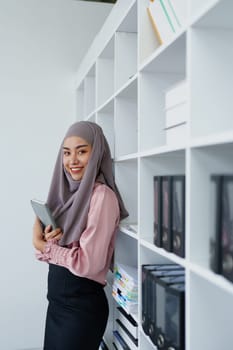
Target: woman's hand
(52, 234)
(40, 238)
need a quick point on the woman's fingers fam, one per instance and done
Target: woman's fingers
(52, 234)
(48, 229)
(58, 237)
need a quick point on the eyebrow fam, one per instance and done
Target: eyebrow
(77, 147)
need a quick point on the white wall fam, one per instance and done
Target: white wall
(41, 45)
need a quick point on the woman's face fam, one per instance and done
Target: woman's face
(76, 154)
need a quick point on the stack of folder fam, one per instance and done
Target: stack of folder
(163, 305)
(125, 287)
(167, 17)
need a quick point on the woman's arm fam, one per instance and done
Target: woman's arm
(40, 238)
(93, 253)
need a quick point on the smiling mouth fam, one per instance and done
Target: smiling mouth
(75, 170)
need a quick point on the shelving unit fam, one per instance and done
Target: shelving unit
(121, 85)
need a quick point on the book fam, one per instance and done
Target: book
(126, 335)
(176, 10)
(161, 21)
(176, 112)
(128, 321)
(103, 346)
(119, 342)
(125, 287)
(43, 212)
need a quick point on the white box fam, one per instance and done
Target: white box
(176, 135)
(176, 94)
(176, 115)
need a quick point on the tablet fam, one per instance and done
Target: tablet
(43, 212)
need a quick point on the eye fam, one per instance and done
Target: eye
(66, 153)
(81, 151)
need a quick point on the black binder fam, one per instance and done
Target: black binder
(178, 215)
(227, 227)
(215, 234)
(147, 289)
(170, 316)
(157, 211)
(167, 277)
(166, 213)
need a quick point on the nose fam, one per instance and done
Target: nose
(74, 158)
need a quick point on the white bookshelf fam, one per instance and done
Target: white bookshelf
(121, 85)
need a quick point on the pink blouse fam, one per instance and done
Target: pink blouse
(91, 256)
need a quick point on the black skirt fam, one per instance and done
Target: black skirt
(77, 312)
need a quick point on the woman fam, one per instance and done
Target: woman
(87, 208)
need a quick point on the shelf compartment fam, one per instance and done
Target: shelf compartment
(125, 57)
(126, 121)
(172, 163)
(211, 316)
(160, 74)
(126, 48)
(105, 74)
(205, 161)
(152, 109)
(126, 177)
(148, 41)
(105, 118)
(211, 100)
(126, 250)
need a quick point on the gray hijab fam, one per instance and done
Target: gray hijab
(69, 200)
